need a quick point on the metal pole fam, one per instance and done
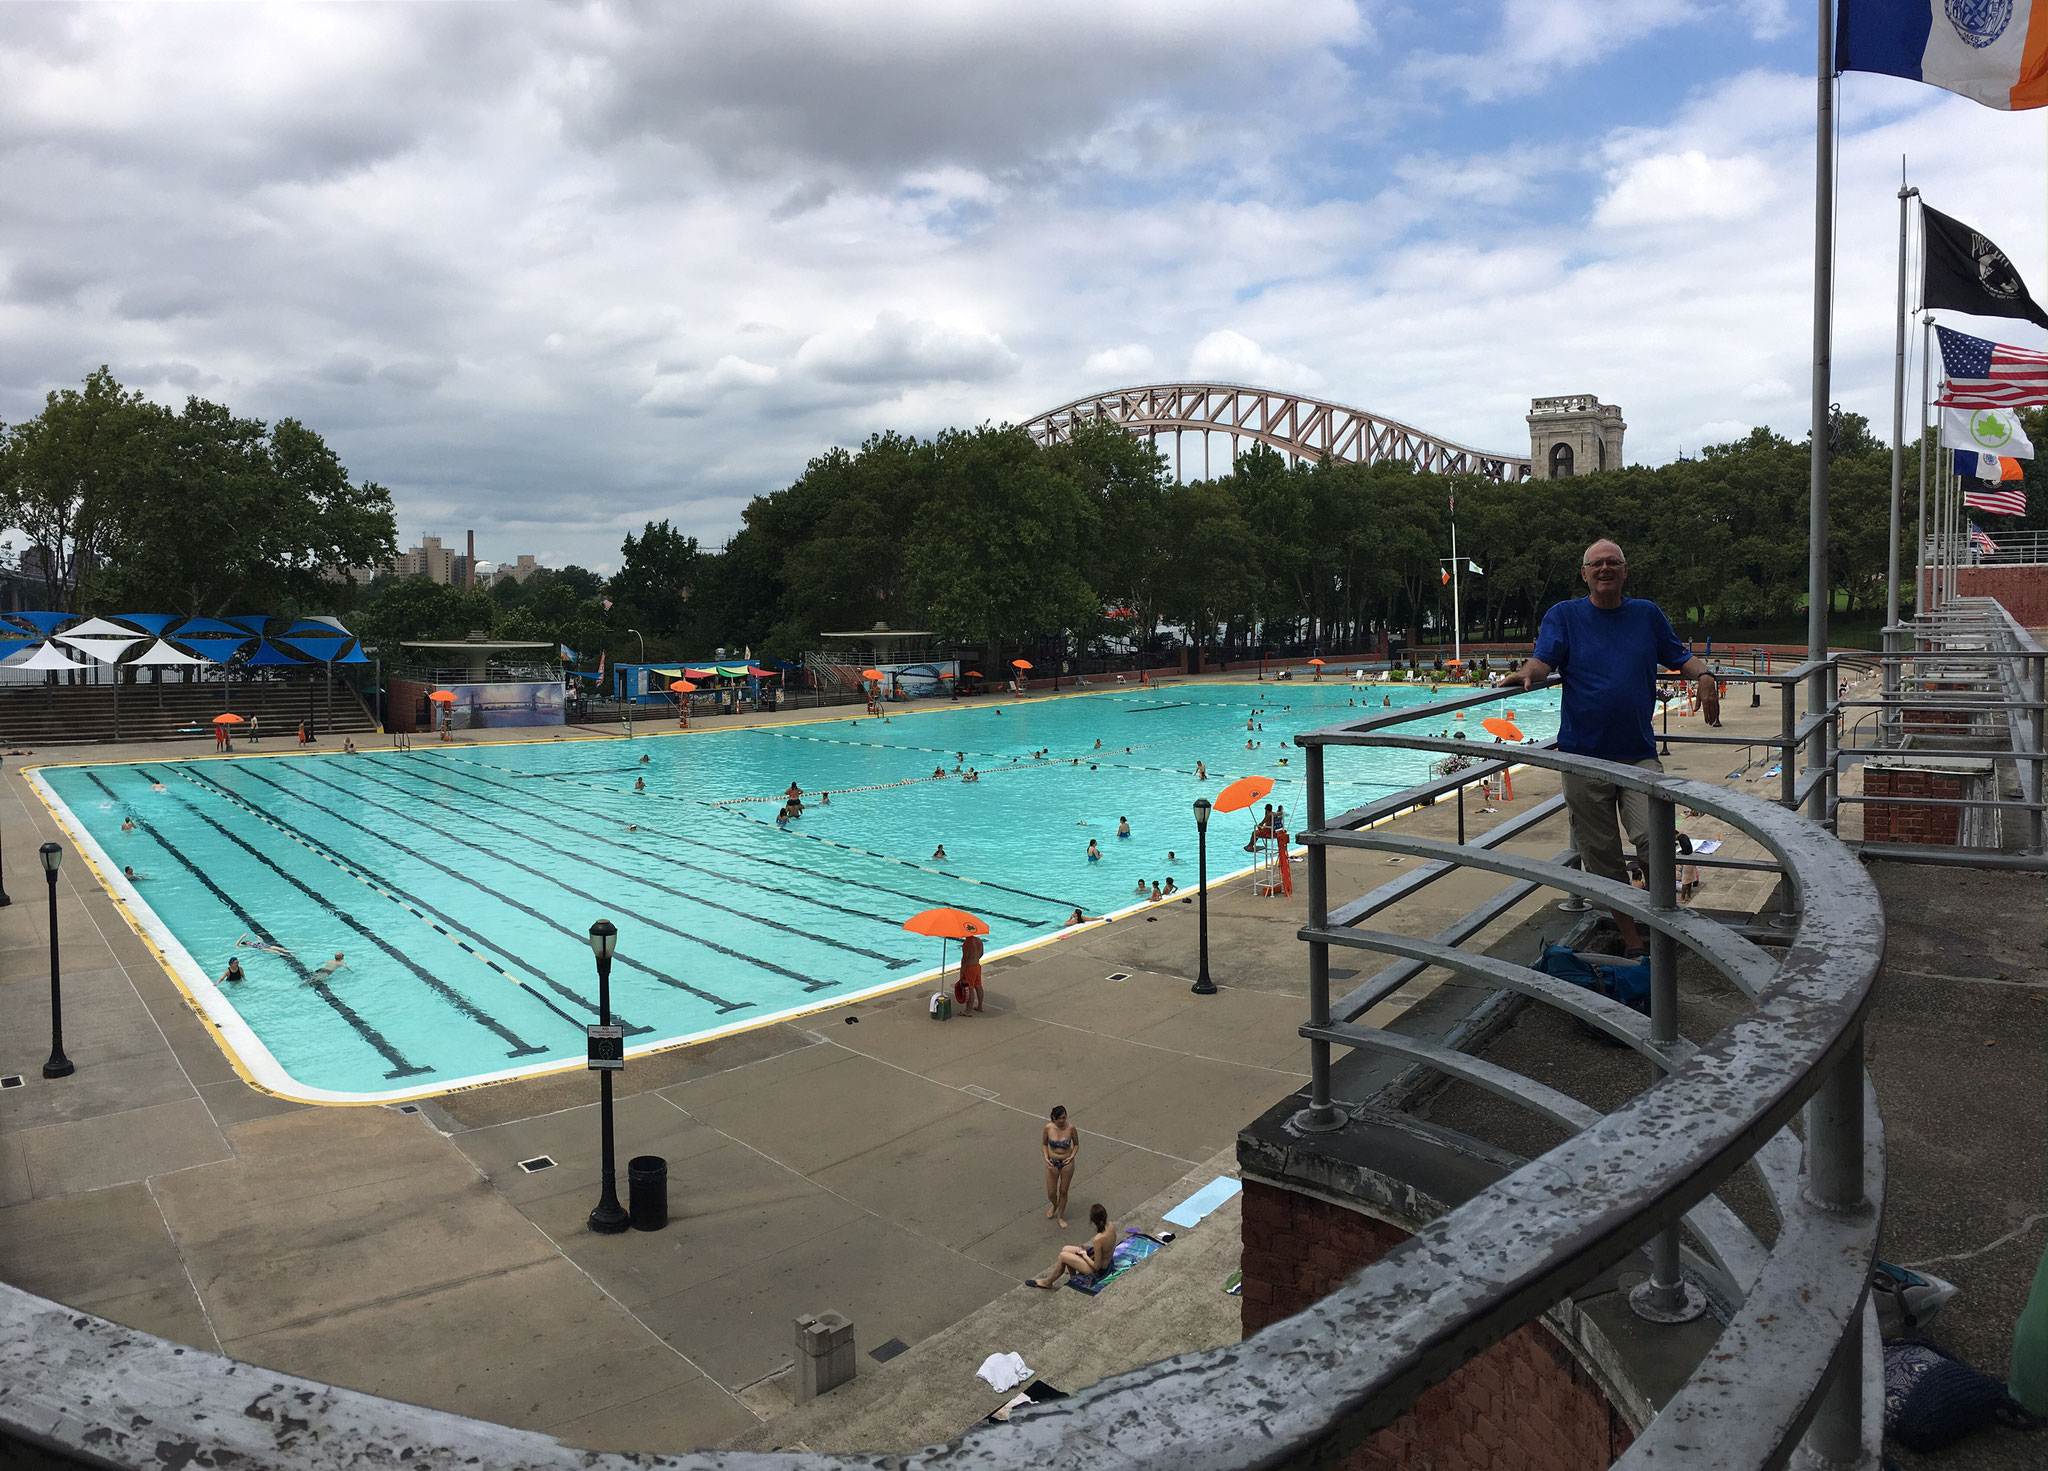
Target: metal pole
(1788, 720)
(1457, 605)
(1818, 588)
(2037, 721)
(1891, 591)
(59, 1066)
(609, 1217)
(1666, 1297)
(1920, 598)
(4, 899)
(1203, 985)
(1322, 1116)
(1834, 1184)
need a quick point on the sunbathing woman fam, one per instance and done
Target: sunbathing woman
(1060, 1142)
(1091, 1260)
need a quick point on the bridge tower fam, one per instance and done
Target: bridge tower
(1573, 434)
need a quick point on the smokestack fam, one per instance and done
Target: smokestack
(469, 571)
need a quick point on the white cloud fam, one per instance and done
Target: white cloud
(1684, 188)
(899, 349)
(685, 394)
(1231, 357)
(1121, 363)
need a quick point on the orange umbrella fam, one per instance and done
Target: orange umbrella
(974, 674)
(1020, 663)
(1505, 729)
(1317, 662)
(944, 925)
(1243, 792)
(444, 697)
(682, 686)
(227, 720)
(871, 674)
(1455, 663)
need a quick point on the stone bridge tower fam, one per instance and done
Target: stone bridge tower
(1574, 434)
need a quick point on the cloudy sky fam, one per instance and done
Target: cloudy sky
(553, 270)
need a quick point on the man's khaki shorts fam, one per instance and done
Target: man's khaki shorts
(1599, 811)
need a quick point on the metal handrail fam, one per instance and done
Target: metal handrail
(1796, 1350)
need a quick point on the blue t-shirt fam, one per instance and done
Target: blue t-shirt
(1609, 659)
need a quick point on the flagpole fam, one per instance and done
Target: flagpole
(1818, 593)
(1891, 600)
(1457, 608)
(1920, 598)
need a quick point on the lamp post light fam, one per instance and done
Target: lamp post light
(1203, 985)
(59, 1066)
(609, 1218)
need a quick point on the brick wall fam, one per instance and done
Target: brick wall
(1523, 1405)
(1884, 822)
(2022, 588)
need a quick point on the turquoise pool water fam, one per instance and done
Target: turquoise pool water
(460, 882)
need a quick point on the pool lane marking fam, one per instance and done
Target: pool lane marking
(520, 1046)
(400, 1067)
(959, 878)
(741, 853)
(807, 982)
(441, 923)
(681, 863)
(528, 910)
(890, 961)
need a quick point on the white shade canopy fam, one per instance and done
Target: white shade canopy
(47, 656)
(106, 650)
(98, 627)
(162, 653)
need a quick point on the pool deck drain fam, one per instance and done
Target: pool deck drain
(859, 1169)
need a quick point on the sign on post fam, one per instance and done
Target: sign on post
(607, 1049)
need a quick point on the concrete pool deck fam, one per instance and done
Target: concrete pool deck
(863, 1159)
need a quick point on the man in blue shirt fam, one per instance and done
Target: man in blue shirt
(1608, 648)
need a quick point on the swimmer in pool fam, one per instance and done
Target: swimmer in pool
(1143, 889)
(639, 783)
(824, 799)
(1123, 827)
(157, 786)
(1157, 893)
(326, 970)
(233, 974)
(246, 943)
(938, 773)
(1094, 853)
(132, 876)
(127, 824)
(1171, 887)
(645, 759)
(782, 818)
(939, 854)
(1169, 856)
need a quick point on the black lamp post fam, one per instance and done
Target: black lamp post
(609, 1217)
(4, 899)
(1203, 985)
(59, 1066)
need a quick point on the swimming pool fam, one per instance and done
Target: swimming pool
(460, 882)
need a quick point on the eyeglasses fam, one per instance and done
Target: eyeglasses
(1605, 562)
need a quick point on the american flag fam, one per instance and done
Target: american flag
(1997, 502)
(1980, 541)
(1983, 374)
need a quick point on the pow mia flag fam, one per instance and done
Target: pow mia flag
(1967, 273)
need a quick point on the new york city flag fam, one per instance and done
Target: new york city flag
(1991, 51)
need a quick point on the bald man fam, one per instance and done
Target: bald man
(1608, 648)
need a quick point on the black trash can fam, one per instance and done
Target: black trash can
(647, 1191)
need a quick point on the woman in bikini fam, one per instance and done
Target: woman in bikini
(1060, 1142)
(1091, 1260)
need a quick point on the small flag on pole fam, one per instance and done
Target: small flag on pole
(1446, 576)
(1987, 467)
(568, 654)
(1980, 541)
(1985, 50)
(1473, 568)
(1983, 374)
(1967, 273)
(1996, 502)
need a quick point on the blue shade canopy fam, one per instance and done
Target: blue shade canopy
(354, 656)
(268, 653)
(318, 648)
(217, 650)
(254, 622)
(149, 622)
(209, 627)
(44, 623)
(318, 623)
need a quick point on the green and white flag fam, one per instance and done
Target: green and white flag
(1987, 431)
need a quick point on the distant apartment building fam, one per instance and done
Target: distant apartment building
(432, 560)
(518, 571)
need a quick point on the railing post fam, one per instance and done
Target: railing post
(1322, 1115)
(1888, 725)
(1667, 1297)
(2037, 724)
(1834, 1183)
(1788, 755)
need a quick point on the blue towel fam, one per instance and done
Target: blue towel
(1190, 1211)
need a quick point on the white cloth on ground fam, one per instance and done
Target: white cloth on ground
(1003, 1371)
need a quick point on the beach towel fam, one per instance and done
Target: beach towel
(1126, 1254)
(1190, 1211)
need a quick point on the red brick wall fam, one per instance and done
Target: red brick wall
(1884, 822)
(1523, 1405)
(2023, 589)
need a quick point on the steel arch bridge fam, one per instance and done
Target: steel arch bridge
(1292, 423)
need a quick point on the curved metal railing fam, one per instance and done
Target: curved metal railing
(1797, 1356)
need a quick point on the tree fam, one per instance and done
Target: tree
(219, 513)
(64, 475)
(657, 576)
(420, 608)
